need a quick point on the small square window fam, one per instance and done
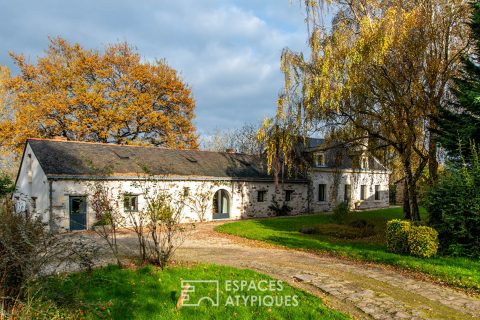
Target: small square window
(261, 195)
(322, 192)
(377, 192)
(363, 192)
(288, 195)
(130, 203)
(34, 204)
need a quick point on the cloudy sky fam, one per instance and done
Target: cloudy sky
(227, 50)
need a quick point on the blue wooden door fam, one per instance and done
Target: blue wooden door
(78, 213)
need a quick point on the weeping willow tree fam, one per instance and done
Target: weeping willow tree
(378, 71)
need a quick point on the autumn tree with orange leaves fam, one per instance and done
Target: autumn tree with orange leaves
(111, 96)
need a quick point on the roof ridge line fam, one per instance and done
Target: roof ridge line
(132, 145)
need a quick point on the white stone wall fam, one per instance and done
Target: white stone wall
(32, 182)
(355, 179)
(243, 197)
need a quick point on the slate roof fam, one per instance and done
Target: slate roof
(340, 156)
(344, 158)
(68, 158)
(314, 142)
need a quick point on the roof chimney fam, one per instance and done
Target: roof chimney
(230, 150)
(60, 138)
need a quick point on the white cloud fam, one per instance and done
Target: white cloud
(228, 51)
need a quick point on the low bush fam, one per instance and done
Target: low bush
(28, 250)
(422, 241)
(341, 212)
(403, 237)
(397, 235)
(21, 240)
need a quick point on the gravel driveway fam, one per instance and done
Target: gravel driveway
(362, 290)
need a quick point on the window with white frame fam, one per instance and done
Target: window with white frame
(319, 159)
(363, 192)
(364, 163)
(130, 203)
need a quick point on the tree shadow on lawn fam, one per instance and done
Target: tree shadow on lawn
(111, 292)
(324, 244)
(149, 293)
(458, 271)
(294, 223)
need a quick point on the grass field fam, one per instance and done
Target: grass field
(460, 272)
(150, 293)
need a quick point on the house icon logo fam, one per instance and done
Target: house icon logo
(194, 292)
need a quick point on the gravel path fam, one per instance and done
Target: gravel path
(364, 291)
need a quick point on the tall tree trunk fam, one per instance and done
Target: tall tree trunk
(411, 187)
(432, 155)
(406, 203)
(413, 199)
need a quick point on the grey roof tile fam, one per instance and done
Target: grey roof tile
(59, 157)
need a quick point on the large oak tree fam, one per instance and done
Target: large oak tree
(111, 96)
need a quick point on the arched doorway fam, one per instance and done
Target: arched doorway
(221, 204)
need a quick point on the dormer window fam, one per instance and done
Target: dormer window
(364, 163)
(319, 159)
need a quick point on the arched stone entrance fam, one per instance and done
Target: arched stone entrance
(221, 204)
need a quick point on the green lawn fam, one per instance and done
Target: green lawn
(460, 272)
(150, 293)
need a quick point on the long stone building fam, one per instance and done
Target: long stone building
(56, 176)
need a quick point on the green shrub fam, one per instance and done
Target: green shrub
(453, 205)
(341, 212)
(7, 185)
(397, 235)
(422, 241)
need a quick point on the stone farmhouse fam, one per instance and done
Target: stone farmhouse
(55, 179)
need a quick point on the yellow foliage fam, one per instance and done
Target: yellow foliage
(382, 68)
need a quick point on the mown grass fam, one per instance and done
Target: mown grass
(456, 271)
(150, 293)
